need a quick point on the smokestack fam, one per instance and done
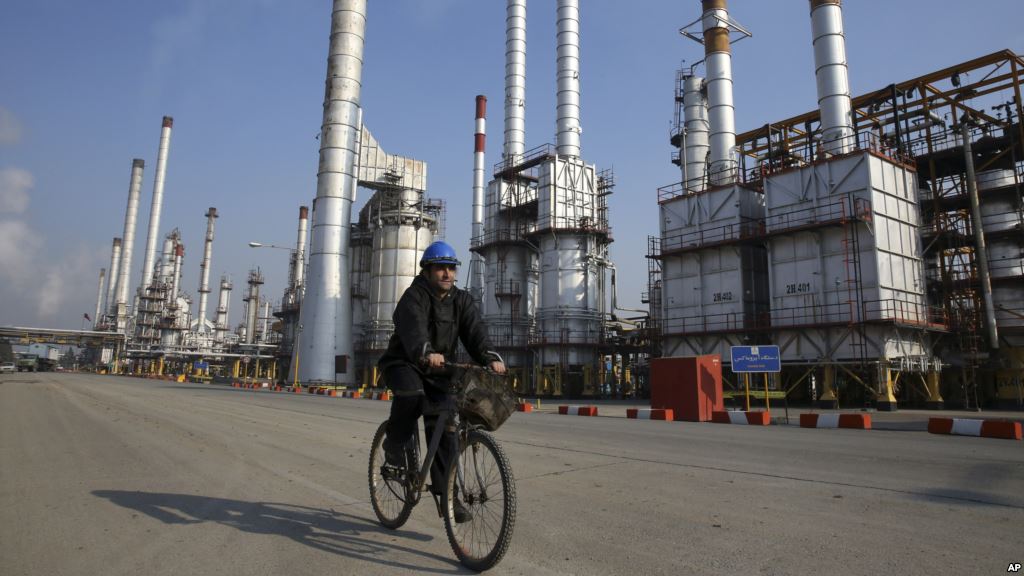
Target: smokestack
(568, 117)
(695, 121)
(300, 253)
(179, 255)
(326, 312)
(115, 261)
(158, 202)
(221, 325)
(830, 70)
(476, 263)
(721, 114)
(99, 298)
(204, 281)
(515, 80)
(130, 220)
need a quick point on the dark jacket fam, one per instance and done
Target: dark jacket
(426, 324)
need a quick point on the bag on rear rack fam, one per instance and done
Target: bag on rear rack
(486, 398)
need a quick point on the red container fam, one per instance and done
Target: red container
(690, 386)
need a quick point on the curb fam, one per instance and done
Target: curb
(578, 410)
(650, 413)
(972, 427)
(855, 421)
(753, 417)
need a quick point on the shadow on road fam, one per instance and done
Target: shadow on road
(326, 530)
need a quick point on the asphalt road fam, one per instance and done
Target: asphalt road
(110, 475)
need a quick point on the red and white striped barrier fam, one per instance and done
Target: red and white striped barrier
(650, 413)
(973, 427)
(578, 410)
(524, 407)
(756, 418)
(856, 421)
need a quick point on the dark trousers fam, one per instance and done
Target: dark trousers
(409, 389)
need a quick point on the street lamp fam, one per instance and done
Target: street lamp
(262, 245)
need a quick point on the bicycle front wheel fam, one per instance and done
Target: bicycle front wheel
(390, 495)
(482, 485)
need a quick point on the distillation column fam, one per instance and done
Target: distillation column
(204, 280)
(223, 302)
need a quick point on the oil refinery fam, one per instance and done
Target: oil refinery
(876, 240)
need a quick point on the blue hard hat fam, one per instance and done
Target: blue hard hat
(439, 253)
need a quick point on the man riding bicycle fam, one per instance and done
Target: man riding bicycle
(431, 317)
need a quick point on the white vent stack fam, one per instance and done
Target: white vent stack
(131, 215)
(695, 123)
(515, 81)
(224, 300)
(568, 75)
(99, 297)
(252, 305)
(158, 201)
(265, 320)
(167, 260)
(204, 281)
(721, 113)
(476, 263)
(300, 252)
(179, 256)
(326, 314)
(832, 75)
(115, 261)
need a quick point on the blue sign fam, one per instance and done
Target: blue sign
(756, 359)
(200, 365)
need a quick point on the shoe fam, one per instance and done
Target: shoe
(461, 513)
(394, 454)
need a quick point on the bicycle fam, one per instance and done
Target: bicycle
(480, 477)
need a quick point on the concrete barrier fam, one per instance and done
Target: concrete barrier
(753, 417)
(973, 427)
(856, 421)
(578, 410)
(524, 407)
(650, 413)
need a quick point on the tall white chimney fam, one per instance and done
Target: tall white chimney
(131, 215)
(832, 75)
(223, 302)
(99, 297)
(115, 261)
(476, 263)
(695, 122)
(204, 280)
(515, 81)
(158, 202)
(568, 75)
(300, 253)
(721, 114)
(326, 313)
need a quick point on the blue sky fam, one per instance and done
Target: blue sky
(83, 87)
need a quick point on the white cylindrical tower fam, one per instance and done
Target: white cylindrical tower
(476, 263)
(99, 297)
(326, 313)
(721, 114)
(568, 76)
(131, 215)
(158, 202)
(223, 302)
(832, 75)
(515, 81)
(179, 256)
(695, 121)
(115, 261)
(300, 253)
(204, 277)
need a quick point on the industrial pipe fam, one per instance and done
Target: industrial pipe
(158, 202)
(721, 113)
(128, 239)
(568, 76)
(981, 250)
(515, 80)
(326, 313)
(832, 75)
(204, 280)
(476, 263)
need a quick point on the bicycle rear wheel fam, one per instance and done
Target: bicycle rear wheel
(390, 495)
(487, 489)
